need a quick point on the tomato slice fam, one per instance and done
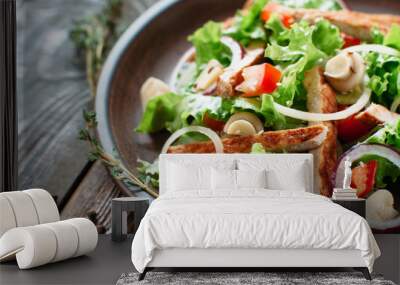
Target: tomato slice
(350, 40)
(259, 79)
(271, 8)
(350, 129)
(363, 178)
(213, 124)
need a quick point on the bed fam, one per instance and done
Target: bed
(247, 210)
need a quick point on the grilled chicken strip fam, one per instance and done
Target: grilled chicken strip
(293, 140)
(376, 114)
(322, 99)
(356, 24)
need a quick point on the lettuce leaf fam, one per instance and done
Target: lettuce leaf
(384, 74)
(392, 38)
(172, 112)
(389, 135)
(206, 41)
(297, 50)
(158, 112)
(247, 26)
(257, 148)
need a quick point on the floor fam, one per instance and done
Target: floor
(103, 266)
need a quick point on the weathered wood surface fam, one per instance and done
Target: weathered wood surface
(52, 93)
(93, 196)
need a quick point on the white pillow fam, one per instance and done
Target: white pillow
(282, 174)
(223, 179)
(182, 177)
(293, 180)
(251, 178)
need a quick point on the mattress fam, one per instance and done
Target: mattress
(250, 219)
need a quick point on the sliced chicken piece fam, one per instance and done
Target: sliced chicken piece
(356, 24)
(293, 140)
(376, 114)
(322, 99)
(232, 74)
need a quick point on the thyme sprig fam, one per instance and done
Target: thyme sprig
(118, 170)
(94, 36)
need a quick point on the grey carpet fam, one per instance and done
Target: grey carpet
(243, 278)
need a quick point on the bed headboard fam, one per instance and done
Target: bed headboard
(284, 160)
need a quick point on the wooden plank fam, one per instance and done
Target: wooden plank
(94, 194)
(52, 92)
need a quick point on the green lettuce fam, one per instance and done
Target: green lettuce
(388, 135)
(173, 112)
(384, 74)
(158, 112)
(257, 148)
(206, 41)
(248, 26)
(297, 50)
(392, 39)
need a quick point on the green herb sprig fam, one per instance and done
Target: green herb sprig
(118, 170)
(94, 36)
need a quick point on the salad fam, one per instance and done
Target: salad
(290, 76)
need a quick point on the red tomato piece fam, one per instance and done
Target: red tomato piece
(259, 79)
(271, 8)
(363, 178)
(213, 124)
(350, 40)
(350, 129)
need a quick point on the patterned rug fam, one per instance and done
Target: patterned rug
(244, 278)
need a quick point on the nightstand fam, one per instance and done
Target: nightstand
(120, 209)
(355, 205)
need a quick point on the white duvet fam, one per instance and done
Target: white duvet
(250, 219)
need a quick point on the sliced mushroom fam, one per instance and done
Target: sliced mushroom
(151, 88)
(241, 128)
(340, 66)
(345, 71)
(209, 75)
(380, 206)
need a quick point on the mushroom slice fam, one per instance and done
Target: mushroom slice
(151, 88)
(241, 128)
(345, 71)
(339, 67)
(245, 116)
(209, 75)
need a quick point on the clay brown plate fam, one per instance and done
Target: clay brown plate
(152, 46)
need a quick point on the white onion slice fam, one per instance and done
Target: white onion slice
(236, 50)
(320, 117)
(219, 147)
(373, 47)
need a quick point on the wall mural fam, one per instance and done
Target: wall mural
(210, 81)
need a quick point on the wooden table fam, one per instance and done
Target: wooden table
(52, 93)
